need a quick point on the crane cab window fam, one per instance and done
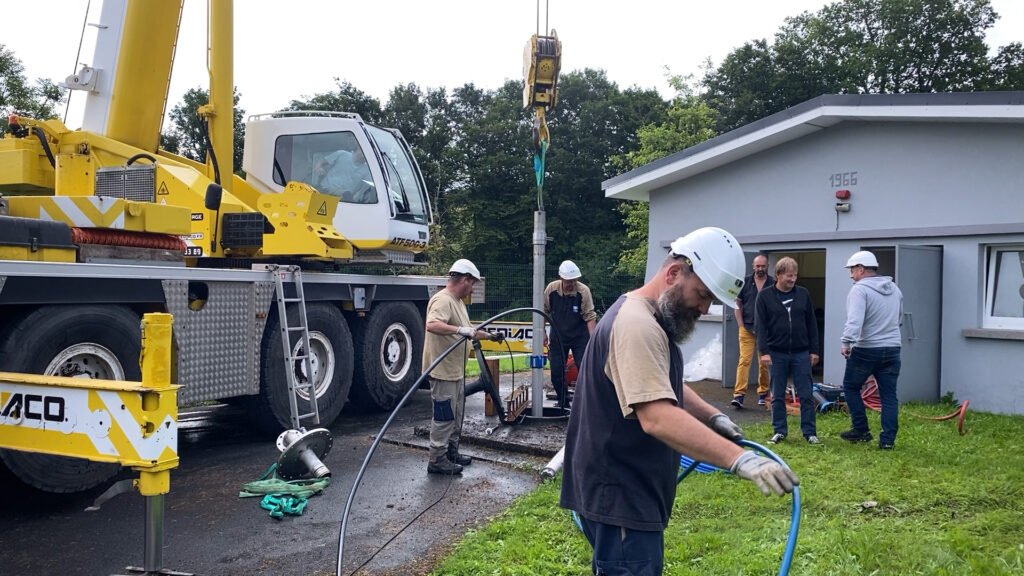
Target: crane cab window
(332, 162)
(405, 184)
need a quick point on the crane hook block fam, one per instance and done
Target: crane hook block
(542, 60)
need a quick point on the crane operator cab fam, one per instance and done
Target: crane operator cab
(383, 205)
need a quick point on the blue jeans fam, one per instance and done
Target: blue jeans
(620, 551)
(884, 363)
(797, 366)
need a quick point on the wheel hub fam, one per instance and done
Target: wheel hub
(86, 360)
(322, 361)
(396, 355)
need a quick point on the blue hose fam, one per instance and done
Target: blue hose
(794, 523)
(687, 465)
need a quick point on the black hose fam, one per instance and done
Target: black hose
(210, 151)
(140, 156)
(46, 146)
(380, 435)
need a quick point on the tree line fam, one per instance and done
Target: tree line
(473, 144)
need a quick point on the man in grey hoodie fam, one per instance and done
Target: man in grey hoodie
(871, 345)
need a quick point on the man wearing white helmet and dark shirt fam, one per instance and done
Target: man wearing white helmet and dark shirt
(448, 322)
(871, 345)
(632, 414)
(571, 307)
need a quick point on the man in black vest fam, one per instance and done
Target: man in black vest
(632, 414)
(571, 307)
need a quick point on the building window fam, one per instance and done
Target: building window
(1004, 288)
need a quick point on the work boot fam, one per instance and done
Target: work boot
(443, 466)
(852, 435)
(456, 458)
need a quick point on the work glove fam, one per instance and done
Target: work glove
(769, 475)
(726, 427)
(466, 332)
(496, 337)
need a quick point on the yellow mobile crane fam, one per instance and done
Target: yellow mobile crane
(103, 226)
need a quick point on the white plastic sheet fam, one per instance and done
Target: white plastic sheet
(706, 364)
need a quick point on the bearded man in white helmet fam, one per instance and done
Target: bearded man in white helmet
(571, 307)
(632, 415)
(447, 322)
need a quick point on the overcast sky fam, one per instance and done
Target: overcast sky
(295, 48)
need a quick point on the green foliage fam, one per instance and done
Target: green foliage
(187, 134)
(347, 98)
(1007, 68)
(689, 122)
(19, 96)
(857, 47)
(943, 504)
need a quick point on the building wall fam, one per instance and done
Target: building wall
(909, 175)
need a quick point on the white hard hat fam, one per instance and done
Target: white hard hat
(717, 259)
(463, 266)
(568, 270)
(862, 258)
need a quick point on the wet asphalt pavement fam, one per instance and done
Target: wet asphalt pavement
(210, 531)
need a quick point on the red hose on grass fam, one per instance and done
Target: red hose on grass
(869, 394)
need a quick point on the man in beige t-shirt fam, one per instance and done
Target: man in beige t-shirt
(447, 323)
(632, 415)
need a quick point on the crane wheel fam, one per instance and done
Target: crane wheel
(331, 354)
(79, 341)
(389, 349)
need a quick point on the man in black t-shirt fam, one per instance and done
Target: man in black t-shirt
(787, 339)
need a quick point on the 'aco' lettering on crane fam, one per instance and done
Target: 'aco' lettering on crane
(33, 407)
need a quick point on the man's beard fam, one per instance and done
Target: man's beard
(678, 322)
(761, 273)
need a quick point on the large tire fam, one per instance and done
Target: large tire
(82, 341)
(389, 348)
(331, 355)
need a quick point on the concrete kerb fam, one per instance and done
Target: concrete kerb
(486, 438)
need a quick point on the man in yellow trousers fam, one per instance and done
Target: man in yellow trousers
(745, 323)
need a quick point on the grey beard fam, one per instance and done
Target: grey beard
(678, 323)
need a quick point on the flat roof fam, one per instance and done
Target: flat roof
(809, 117)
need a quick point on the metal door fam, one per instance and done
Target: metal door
(730, 338)
(919, 276)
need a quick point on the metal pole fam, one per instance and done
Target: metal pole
(153, 561)
(537, 348)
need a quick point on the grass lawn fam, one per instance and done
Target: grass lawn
(506, 364)
(944, 504)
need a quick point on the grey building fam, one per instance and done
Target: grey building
(932, 183)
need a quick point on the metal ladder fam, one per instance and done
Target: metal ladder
(281, 273)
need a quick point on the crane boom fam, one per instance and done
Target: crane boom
(135, 45)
